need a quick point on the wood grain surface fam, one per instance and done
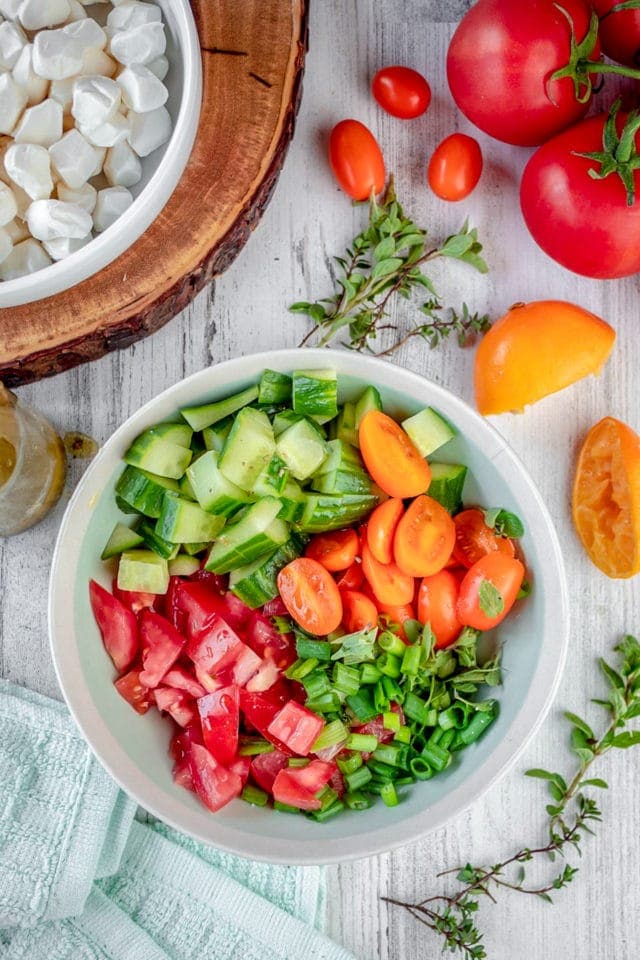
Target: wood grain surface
(287, 259)
(252, 81)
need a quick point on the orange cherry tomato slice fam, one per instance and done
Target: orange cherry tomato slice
(381, 527)
(388, 583)
(424, 538)
(311, 596)
(391, 457)
(484, 608)
(474, 539)
(352, 578)
(335, 550)
(359, 612)
(437, 598)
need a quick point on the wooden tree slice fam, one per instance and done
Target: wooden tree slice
(253, 58)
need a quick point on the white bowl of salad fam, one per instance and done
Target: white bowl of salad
(306, 606)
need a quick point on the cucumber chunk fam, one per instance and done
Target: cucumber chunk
(447, 482)
(341, 456)
(345, 428)
(315, 394)
(248, 448)
(271, 481)
(342, 481)
(256, 583)
(143, 571)
(212, 490)
(157, 455)
(122, 538)
(292, 499)
(302, 449)
(283, 420)
(257, 533)
(182, 521)
(427, 430)
(204, 416)
(143, 491)
(325, 512)
(153, 540)
(370, 400)
(185, 488)
(215, 436)
(179, 433)
(274, 387)
(194, 548)
(183, 566)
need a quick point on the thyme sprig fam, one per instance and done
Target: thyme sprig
(386, 260)
(571, 814)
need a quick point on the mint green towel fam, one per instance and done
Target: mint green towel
(158, 895)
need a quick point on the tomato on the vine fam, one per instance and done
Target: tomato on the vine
(455, 167)
(356, 159)
(619, 30)
(402, 92)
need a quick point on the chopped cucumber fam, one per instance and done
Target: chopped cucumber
(194, 548)
(122, 538)
(302, 449)
(292, 499)
(248, 448)
(447, 482)
(256, 583)
(283, 420)
(178, 433)
(183, 566)
(143, 571)
(153, 540)
(341, 456)
(185, 487)
(325, 512)
(157, 455)
(370, 400)
(274, 387)
(212, 490)
(346, 425)
(254, 535)
(204, 416)
(427, 430)
(215, 436)
(182, 521)
(271, 481)
(342, 481)
(143, 491)
(315, 394)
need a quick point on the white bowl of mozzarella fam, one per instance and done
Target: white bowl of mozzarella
(99, 109)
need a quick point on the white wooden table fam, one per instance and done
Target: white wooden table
(308, 221)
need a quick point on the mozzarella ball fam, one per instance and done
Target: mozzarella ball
(56, 55)
(61, 247)
(24, 75)
(141, 89)
(40, 124)
(62, 92)
(13, 100)
(159, 67)
(10, 8)
(17, 230)
(36, 14)
(98, 63)
(12, 41)
(88, 33)
(25, 258)
(28, 165)
(149, 130)
(110, 205)
(122, 168)
(132, 14)
(49, 219)
(76, 11)
(8, 205)
(74, 159)
(140, 44)
(95, 101)
(109, 133)
(6, 244)
(85, 196)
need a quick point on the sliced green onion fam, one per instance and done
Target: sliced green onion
(418, 742)
(389, 795)
(404, 781)
(320, 649)
(364, 742)
(369, 673)
(416, 709)
(403, 735)
(436, 756)
(298, 762)
(347, 764)
(362, 705)
(255, 796)
(387, 753)
(421, 769)
(327, 797)
(436, 736)
(346, 679)
(481, 720)
(332, 734)
(324, 703)
(411, 660)
(393, 689)
(391, 721)
(332, 811)
(301, 668)
(391, 643)
(356, 800)
(375, 785)
(380, 699)
(284, 807)
(454, 716)
(358, 778)
(254, 746)
(383, 771)
(316, 684)
(388, 665)
(447, 738)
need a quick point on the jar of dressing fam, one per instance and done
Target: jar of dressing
(33, 465)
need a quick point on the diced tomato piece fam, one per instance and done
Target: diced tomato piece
(376, 727)
(199, 604)
(181, 741)
(241, 766)
(268, 642)
(275, 608)
(264, 678)
(216, 582)
(215, 646)
(328, 753)
(259, 709)
(135, 600)
(177, 704)
(161, 647)
(134, 692)
(297, 727)
(215, 785)
(298, 786)
(266, 766)
(172, 609)
(237, 613)
(180, 678)
(220, 719)
(337, 783)
(246, 664)
(117, 625)
(182, 774)
(210, 684)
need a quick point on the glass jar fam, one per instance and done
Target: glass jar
(33, 465)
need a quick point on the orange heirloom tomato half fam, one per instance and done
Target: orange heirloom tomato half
(311, 596)
(388, 583)
(359, 612)
(437, 599)
(391, 457)
(335, 550)
(536, 349)
(424, 538)
(381, 528)
(489, 590)
(474, 539)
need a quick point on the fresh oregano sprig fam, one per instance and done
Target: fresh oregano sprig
(571, 814)
(386, 260)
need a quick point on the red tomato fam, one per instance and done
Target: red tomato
(136, 600)
(181, 679)
(237, 613)
(474, 539)
(455, 167)
(220, 718)
(402, 92)
(180, 745)
(501, 62)
(177, 703)
(619, 31)
(117, 625)
(311, 596)
(259, 709)
(198, 604)
(215, 785)
(171, 607)
(376, 727)
(586, 225)
(296, 727)
(335, 551)
(504, 575)
(182, 774)
(266, 766)
(356, 159)
(161, 646)
(268, 642)
(437, 599)
(241, 766)
(298, 786)
(134, 692)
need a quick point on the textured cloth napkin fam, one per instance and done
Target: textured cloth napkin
(157, 895)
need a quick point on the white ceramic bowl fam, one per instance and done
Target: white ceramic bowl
(161, 170)
(134, 749)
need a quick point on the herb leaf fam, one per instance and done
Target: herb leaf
(490, 599)
(505, 523)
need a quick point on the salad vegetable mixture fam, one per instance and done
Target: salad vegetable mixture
(304, 595)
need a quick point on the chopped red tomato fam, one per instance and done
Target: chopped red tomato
(237, 613)
(266, 766)
(297, 727)
(134, 692)
(264, 678)
(215, 646)
(275, 608)
(161, 647)
(135, 600)
(182, 774)
(117, 625)
(216, 582)
(259, 709)
(171, 608)
(199, 604)
(241, 766)
(298, 786)
(177, 704)
(215, 785)
(220, 719)
(181, 679)
(180, 745)
(268, 642)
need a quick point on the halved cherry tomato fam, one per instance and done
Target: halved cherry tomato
(381, 528)
(402, 92)
(311, 596)
(437, 600)
(335, 550)
(474, 539)
(455, 167)
(504, 575)
(391, 457)
(389, 584)
(358, 611)
(352, 578)
(117, 624)
(424, 538)
(356, 159)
